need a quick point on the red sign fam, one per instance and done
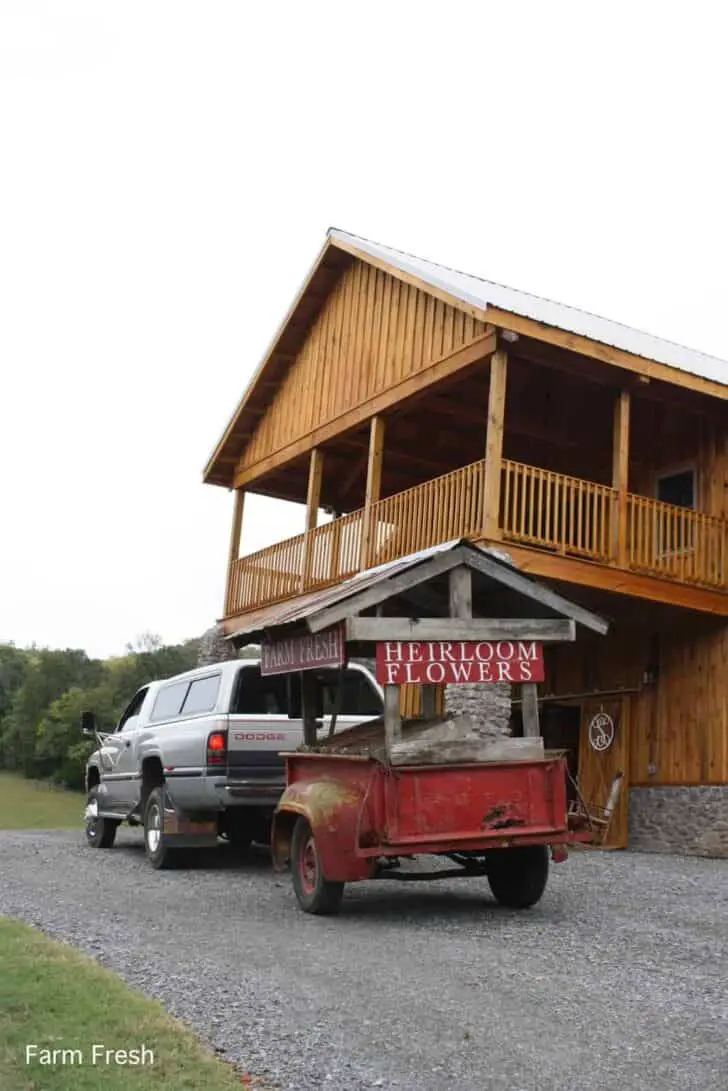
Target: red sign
(303, 652)
(447, 661)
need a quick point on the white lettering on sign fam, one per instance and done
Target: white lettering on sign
(438, 662)
(303, 652)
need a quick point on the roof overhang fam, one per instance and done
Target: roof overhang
(415, 584)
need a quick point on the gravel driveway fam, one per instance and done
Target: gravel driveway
(618, 979)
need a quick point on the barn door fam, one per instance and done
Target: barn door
(604, 752)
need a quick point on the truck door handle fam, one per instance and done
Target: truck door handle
(127, 744)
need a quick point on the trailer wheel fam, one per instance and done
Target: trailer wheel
(315, 893)
(100, 832)
(518, 876)
(156, 845)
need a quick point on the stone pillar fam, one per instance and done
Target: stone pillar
(487, 705)
(214, 648)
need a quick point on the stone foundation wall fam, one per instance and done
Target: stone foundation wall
(691, 821)
(486, 704)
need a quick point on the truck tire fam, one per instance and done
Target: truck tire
(156, 844)
(518, 876)
(100, 832)
(314, 892)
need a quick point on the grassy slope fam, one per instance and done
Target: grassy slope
(53, 996)
(25, 805)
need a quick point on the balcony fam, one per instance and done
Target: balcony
(539, 509)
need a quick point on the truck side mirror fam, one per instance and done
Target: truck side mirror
(88, 723)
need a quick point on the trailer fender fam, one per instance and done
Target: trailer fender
(333, 811)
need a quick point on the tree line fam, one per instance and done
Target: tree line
(43, 692)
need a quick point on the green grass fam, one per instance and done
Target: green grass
(26, 805)
(53, 997)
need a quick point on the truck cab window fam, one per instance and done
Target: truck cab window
(258, 696)
(133, 708)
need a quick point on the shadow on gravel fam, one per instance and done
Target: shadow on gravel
(407, 906)
(222, 858)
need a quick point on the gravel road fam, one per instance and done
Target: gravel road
(617, 979)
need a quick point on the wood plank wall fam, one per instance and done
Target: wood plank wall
(373, 331)
(679, 725)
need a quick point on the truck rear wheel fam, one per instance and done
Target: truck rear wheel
(100, 832)
(314, 892)
(156, 844)
(518, 876)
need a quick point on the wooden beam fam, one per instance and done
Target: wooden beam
(309, 684)
(553, 566)
(313, 503)
(392, 718)
(620, 474)
(413, 386)
(494, 445)
(234, 551)
(374, 486)
(529, 709)
(460, 627)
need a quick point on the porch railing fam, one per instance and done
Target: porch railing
(542, 508)
(539, 508)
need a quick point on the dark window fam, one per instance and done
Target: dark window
(202, 695)
(678, 489)
(169, 700)
(259, 696)
(358, 697)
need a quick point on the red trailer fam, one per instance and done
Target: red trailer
(346, 817)
(360, 804)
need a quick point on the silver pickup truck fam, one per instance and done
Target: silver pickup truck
(197, 756)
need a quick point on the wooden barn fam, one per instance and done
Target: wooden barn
(407, 404)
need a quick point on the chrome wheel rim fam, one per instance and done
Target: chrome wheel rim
(91, 817)
(154, 828)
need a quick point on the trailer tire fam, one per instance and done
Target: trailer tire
(100, 832)
(518, 876)
(156, 844)
(315, 893)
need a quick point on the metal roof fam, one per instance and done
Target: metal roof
(483, 293)
(318, 609)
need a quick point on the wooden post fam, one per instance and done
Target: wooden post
(313, 502)
(374, 485)
(429, 702)
(308, 706)
(494, 445)
(392, 718)
(461, 592)
(529, 709)
(620, 477)
(234, 552)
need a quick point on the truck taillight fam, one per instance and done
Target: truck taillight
(217, 748)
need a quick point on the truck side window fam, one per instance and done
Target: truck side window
(202, 695)
(169, 700)
(258, 696)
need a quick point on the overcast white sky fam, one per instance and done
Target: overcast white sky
(167, 175)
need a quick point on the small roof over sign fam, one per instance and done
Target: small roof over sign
(417, 585)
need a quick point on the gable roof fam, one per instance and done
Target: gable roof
(481, 294)
(317, 610)
(463, 290)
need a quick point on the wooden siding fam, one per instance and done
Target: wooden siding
(373, 332)
(679, 723)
